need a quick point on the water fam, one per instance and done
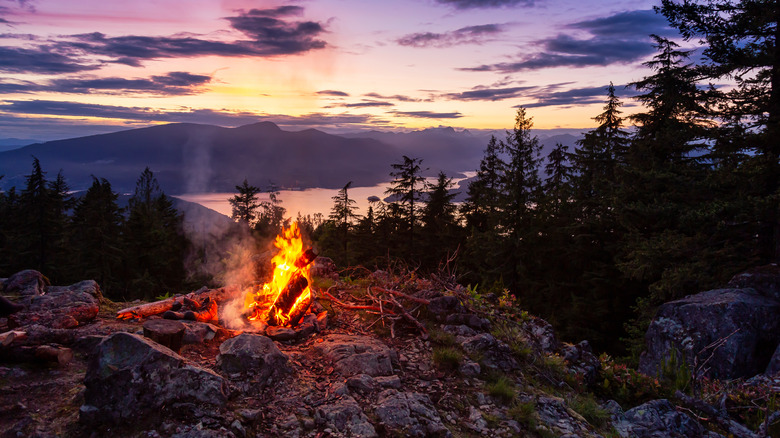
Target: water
(305, 202)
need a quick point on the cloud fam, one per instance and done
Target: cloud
(41, 60)
(266, 32)
(492, 94)
(465, 35)
(333, 93)
(368, 103)
(474, 4)
(398, 97)
(174, 83)
(428, 114)
(549, 96)
(618, 39)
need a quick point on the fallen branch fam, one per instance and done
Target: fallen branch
(352, 306)
(403, 295)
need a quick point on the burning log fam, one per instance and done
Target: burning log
(287, 299)
(157, 307)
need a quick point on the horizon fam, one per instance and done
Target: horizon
(89, 67)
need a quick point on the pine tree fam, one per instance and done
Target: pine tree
(245, 204)
(271, 219)
(407, 188)
(439, 222)
(96, 239)
(482, 205)
(343, 214)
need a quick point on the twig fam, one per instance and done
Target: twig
(402, 295)
(354, 307)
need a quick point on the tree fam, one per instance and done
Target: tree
(96, 237)
(245, 203)
(439, 221)
(406, 190)
(271, 219)
(343, 213)
(484, 192)
(155, 246)
(740, 38)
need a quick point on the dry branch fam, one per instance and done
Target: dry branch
(403, 295)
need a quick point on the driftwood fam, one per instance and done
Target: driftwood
(165, 332)
(38, 354)
(157, 307)
(8, 338)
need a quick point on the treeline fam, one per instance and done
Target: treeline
(626, 220)
(133, 252)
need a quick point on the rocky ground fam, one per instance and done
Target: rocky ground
(460, 364)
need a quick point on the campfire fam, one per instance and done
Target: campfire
(287, 296)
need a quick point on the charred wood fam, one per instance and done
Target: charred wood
(287, 298)
(165, 332)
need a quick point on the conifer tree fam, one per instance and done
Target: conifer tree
(407, 188)
(439, 222)
(245, 204)
(343, 214)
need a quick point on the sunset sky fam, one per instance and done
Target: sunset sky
(82, 67)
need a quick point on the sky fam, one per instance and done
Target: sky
(82, 67)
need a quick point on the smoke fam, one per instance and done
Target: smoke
(196, 160)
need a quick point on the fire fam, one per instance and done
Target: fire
(284, 299)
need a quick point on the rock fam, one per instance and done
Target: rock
(352, 355)
(469, 369)
(62, 307)
(552, 412)
(305, 330)
(324, 267)
(774, 363)
(410, 414)
(280, 334)
(495, 354)
(362, 383)
(238, 429)
(254, 357)
(27, 283)
(476, 422)
(388, 381)
(441, 307)
(131, 379)
(658, 419)
(460, 330)
(744, 316)
(198, 332)
(542, 334)
(345, 416)
(582, 361)
(764, 279)
(469, 319)
(322, 320)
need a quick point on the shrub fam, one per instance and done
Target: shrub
(590, 410)
(447, 358)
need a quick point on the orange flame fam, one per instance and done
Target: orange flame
(290, 246)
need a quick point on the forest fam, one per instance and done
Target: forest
(647, 208)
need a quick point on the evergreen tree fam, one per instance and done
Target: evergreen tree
(406, 189)
(740, 39)
(271, 219)
(155, 245)
(343, 214)
(245, 204)
(482, 204)
(96, 239)
(439, 222)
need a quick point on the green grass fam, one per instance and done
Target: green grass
(523, 413)
(587, 406)
(447, 358)
(502, 389)
(440, 337)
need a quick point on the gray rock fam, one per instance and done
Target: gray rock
(409, 413)
(658, 419)
(280, 334)
(345, 416)
(764, 279)
(469, 319)
(27, 283)
(388, 381)
(61, 307)
(441, 307)
(542, 334)
(131, 379)
(362, 383)
(691, 324)
(469, 369)
(552, 412)
(476, 422)
(774, 363)
(198, 332)
(495, 354)
(352, 355)
(238, 429)
(252, 356)
(460, 330)
(582, 361)
(324, 267)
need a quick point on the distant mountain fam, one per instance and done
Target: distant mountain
(7, 144)
(190, 158)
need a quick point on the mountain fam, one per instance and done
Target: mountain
(190, 158)
(7, 144)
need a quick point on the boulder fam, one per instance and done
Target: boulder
(324, 267)
(254, 357)
(130, 378)
(745, 320)
(352, 355)
(441, 307)
(764, 279)
(582, 361)
(555, 416)
(27, 283)
(61, 307)
(774, 363)
(658, 419)
(345, 416)
(198, 332)
(495, 354)
(409, 414)
(542, 334)
(469, 319)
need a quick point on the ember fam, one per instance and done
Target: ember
(286, 298)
